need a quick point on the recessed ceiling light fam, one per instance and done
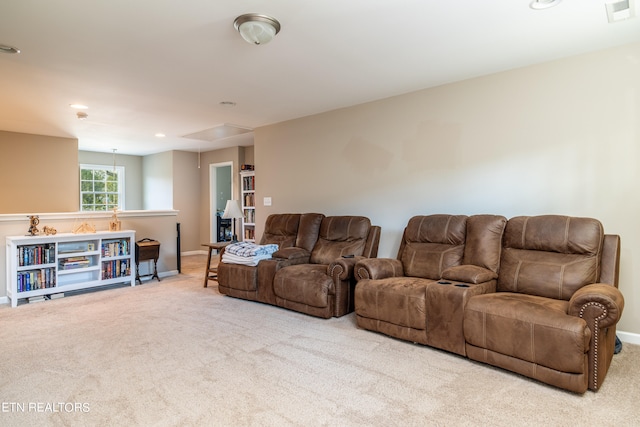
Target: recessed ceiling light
(8, 49)
(78, 106)
(160, 135)
(543, 4)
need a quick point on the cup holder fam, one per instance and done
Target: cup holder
(443, 282)
(461, 285)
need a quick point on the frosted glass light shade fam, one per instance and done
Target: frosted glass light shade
(257, 29)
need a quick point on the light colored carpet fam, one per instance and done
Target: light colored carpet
(175, 353)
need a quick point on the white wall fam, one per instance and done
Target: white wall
(561, 137)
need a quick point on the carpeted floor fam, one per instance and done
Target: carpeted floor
(174, 353)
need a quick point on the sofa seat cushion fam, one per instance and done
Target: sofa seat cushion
(396, 300)
(306, 284)
(528, 327)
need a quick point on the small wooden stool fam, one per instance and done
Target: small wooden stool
(211, 273)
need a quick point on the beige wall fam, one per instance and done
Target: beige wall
(186, 198)
(560, 138)
(33, 169)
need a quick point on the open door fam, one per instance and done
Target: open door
(221, 187)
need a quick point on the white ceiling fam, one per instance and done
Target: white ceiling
(148, 66)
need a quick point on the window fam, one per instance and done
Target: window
(101, 187)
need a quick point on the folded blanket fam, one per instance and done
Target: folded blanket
(248, 249)
(244, 260)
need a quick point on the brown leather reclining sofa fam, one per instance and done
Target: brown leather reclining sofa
(312, 271)
(533, 295)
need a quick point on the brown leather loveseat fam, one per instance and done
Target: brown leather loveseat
(308, 272)
(537, 296)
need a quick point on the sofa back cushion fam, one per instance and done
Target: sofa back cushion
(281, 229)
(340, 235)
(483, 243)
(309, 230)
(550, 255)
(431, 244)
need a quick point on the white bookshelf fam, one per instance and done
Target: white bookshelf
(49, 265)
(248, 179)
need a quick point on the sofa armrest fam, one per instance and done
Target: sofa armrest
(294, 254)
(599, 301)
(378, 268)
(342, 268)
(469, 274)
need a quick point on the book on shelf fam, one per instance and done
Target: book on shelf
(249, 216)
(75, 262)
(248, 183)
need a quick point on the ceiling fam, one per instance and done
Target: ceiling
(150, 66)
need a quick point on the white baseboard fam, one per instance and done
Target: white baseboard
(628, 337)
(4, 300)
(168, 273)
(201, 252)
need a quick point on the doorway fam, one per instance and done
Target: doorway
(221, 189)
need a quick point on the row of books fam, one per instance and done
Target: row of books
(248, 183)
(249, 234)
(75, 262)
(249, 199)
(36, 279)
(249, 216)
(37, 254)
(116, 268)
(117, 248)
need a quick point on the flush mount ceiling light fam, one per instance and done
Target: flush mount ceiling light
(257, 29)
(619, 10)
(8, 49)
(543, 4)
(78, 106)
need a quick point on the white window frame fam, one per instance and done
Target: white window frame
(121, 189)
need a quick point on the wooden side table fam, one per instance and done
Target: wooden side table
(211, 273)
(147, 250)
